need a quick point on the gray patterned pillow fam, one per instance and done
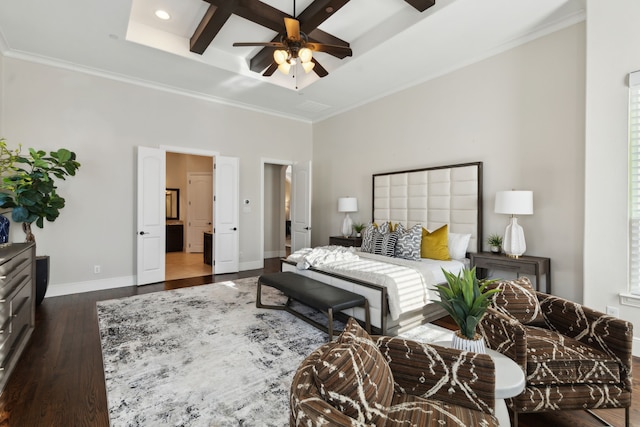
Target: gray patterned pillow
(367, 238)
(409, 242)
(384, 244)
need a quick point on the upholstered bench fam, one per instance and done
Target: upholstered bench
(315, 294)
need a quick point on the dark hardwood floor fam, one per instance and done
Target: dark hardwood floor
(59, 380)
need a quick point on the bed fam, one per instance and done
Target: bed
(431, 198)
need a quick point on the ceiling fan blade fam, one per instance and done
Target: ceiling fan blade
(270, 70)
(265, 44)
(340, 51)
(293, 28)
(319, 69)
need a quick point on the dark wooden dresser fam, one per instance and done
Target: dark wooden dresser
(17, 304)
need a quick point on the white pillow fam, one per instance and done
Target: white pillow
(458, 244)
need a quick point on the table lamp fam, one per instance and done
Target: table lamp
(514, 203)
(346, 205)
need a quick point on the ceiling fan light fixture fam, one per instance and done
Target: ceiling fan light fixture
(284, 68)
(305, 54)
(308, 66)
(280, 56)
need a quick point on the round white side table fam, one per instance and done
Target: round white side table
(510, 381)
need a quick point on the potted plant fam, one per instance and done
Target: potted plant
(28, 188)
(466, 299)
(495, 243)
(358, 227)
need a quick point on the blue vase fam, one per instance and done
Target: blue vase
(4, 230)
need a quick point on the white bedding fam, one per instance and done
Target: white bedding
(408, 283)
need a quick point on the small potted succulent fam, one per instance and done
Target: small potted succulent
(358, 227)
(466, 299)
(495, 243)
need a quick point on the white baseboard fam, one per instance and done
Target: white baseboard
(251, 265)
(89, 286)
(116, 282)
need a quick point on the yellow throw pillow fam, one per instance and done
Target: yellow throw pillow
(435, 244)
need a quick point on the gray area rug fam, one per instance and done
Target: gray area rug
(206, 356)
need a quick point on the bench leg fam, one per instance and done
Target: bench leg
(330, 328)
(367, 316)
(259, 303)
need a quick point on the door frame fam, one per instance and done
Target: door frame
(196, 152)
(263, 162)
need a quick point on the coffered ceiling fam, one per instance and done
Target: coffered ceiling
(395, 45)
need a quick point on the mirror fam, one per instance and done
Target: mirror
(173, 203)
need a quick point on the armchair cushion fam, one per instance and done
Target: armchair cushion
(408, 410)
(556, 359)
(436, 385)
(354, 377)
(517, 299)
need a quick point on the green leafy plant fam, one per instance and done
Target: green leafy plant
(28, 184)
(465, 298)
(359, 227)
(494, 240)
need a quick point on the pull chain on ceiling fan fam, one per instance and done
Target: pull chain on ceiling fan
(294, 45)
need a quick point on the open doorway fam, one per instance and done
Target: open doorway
(189, 181)
(277, 219)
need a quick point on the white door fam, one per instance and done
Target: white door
(300, 206)
(199, 209)
(151, 215)
(226, 233)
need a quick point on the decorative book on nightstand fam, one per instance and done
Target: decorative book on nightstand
(525, 264)
(345, 241)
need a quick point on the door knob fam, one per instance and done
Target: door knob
(142, 233)
(307, 228)
(234, 228)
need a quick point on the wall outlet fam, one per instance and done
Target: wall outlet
(96, 269)
(613, 311)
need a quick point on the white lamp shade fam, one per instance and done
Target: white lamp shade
(347, 204)
(514, 202)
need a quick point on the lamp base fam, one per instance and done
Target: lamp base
(347, 226)
(513, 242)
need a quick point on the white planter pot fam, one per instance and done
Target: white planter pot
(461, 343)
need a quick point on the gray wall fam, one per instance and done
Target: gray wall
(103, 121)
(613, 37)
(520, 112)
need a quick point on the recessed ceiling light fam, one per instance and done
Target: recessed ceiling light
(163, 14)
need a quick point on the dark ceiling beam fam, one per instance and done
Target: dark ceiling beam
(209, 26)
(255, 11)
(421, 5)
(318, 12)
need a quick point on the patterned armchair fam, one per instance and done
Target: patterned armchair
(360, 381)
(573, 357)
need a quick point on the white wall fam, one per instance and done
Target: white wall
(520, 112)
(613, 37)
(103, 121)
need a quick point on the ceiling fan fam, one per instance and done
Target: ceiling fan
(294, 46)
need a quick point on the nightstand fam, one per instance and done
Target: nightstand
(525, 264)
(345, 241)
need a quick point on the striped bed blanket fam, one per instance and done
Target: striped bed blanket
(407, 282)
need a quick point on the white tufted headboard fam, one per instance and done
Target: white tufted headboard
(433, 197)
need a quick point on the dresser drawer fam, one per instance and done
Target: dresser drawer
(504, 265)
(17, 280)
(12, 279)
